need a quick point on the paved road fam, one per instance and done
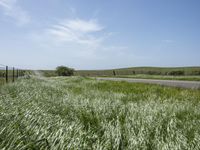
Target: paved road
(174, 83)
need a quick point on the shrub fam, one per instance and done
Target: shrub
(196, 72)
(2, 74)
(64, 71)
(151, 72)
(176, 73)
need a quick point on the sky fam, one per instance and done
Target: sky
(99, 34)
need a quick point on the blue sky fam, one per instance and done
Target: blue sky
(99, 34)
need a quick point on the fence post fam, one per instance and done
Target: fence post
(114, 73)
(13, 74)
(6, 74)
(17, 73)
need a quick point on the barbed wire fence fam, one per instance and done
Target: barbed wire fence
(10, 74)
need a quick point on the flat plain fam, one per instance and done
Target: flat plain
(83, 113)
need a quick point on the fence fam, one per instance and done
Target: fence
(9, 74)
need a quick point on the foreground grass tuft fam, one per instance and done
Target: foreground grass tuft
(79, 113)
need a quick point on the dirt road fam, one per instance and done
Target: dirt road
(173, 83)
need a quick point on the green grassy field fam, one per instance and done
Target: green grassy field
(140, 70)
(2, 81)
(82, 113)
(190, 73)
(48, 73)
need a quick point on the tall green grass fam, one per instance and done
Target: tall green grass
(2, 81)
(80, 113)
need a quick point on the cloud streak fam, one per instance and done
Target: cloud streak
(13, 10)
(167, 41)
(77, 31)
(83, 40)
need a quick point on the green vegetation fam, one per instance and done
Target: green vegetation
(54, 73)
(2, 81)
(82, 113)
(48, 73)
(142, 70)
(10, 75)
(181, 73)
(3, 76)
(64, 71)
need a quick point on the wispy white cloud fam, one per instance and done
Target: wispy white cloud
(84, 40)
(167, 41)
(77, 31)
(12, 9)
(83, 26)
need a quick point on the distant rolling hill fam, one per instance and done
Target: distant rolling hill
(142, 70)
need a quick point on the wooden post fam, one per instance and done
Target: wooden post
(114, 73)
(6, 74)
(17, 73)
(13, 74)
